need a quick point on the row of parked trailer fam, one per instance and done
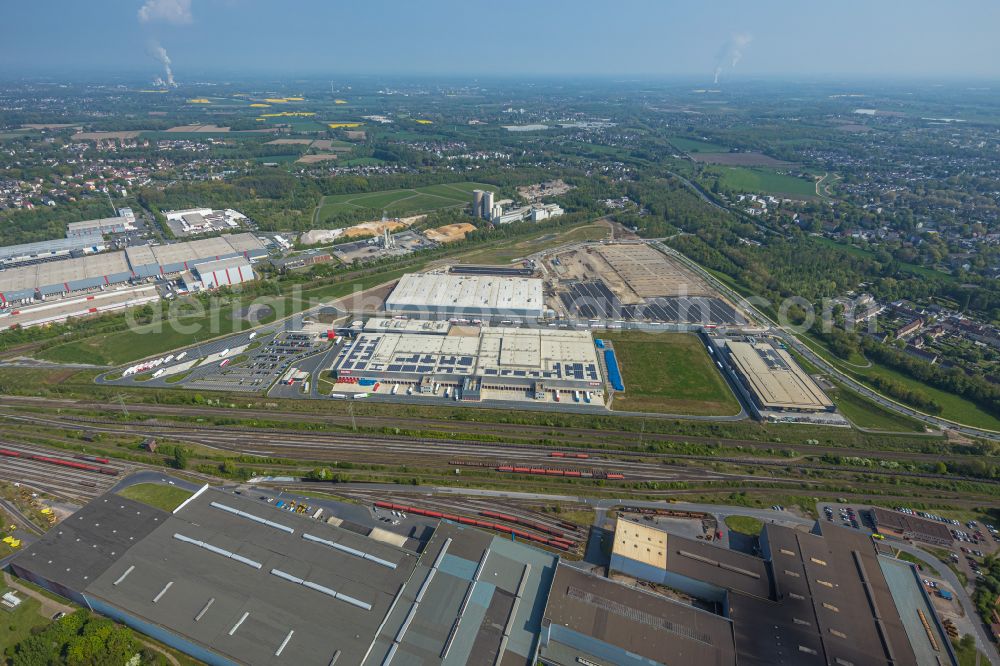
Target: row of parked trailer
(146, 366)
(59, 461)
(560, 543)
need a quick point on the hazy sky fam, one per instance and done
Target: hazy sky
(650, 38)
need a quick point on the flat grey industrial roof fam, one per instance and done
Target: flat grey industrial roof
(474, 598)
(847, 604)
(434, 291)
(267, 583)
(50, 246)
(78, 550)
(101, 223)
(245, 242)
(217, 575)
(642, 623)
(67, 270)
(721, 566)
(821, 597)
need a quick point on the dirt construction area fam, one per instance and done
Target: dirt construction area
(449, 233)
(633, 271)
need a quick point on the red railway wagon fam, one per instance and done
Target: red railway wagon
(521, 521)
(74, 465)
(9, 453)
(560, 454)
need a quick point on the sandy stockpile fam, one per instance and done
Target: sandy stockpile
(450, 233)
(198, 128)
(317, 236)
(372, 228)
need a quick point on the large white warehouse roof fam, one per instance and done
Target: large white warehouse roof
(471, 294)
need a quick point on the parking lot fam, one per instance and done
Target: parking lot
(971, 540)
(262, 366)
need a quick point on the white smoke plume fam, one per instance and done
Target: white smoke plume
(160, 54)
(177, 12)
(731, 53)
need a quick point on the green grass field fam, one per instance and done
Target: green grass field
(400, 202)
(669, 373)
(744, 525)
(697, 146)
(123, 346)
(765, 181)
(16, 625)
(163, 497)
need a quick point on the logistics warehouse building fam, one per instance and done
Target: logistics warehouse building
(775, 381)
(492, 358)
(134, 263)
(230, 581)
(444, 295)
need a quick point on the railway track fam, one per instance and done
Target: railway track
(63, 482)
(317, 445)
(560, 433)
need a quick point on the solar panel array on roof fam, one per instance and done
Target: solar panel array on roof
(592, 299)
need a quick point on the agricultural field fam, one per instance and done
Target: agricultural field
(696, 146)
(764, 181)
(669, 373)
(400, 202)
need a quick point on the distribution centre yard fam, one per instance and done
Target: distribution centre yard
(400, 202)
(669, 373)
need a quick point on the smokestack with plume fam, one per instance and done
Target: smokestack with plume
(731, 52)
(160, 54)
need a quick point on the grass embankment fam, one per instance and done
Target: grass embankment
(669, 373)
(744, 525)
(157, 495)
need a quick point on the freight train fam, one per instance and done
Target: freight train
(558, 542)
(527, 523)
(546, 471)
(573, 473)
(59, 461)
